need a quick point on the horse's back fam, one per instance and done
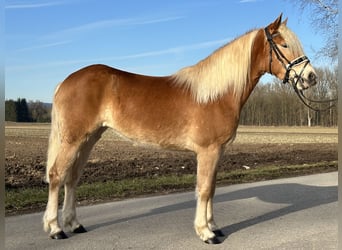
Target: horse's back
(89, 81)
(99, 95)
(98, 80)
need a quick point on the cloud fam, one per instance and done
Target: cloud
(173, 50)
(248, 1)
(78, 30)
(33, 5)
(42, 46)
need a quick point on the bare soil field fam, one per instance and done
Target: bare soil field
(114, 158)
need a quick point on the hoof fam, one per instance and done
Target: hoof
(79, 230)
(213, 240)
(218, 233)
(59, 236)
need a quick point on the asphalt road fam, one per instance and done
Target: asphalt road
(294, 213)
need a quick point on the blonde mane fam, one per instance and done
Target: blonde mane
(226, 69)
(291, 40)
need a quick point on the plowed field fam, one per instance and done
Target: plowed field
(114, 158)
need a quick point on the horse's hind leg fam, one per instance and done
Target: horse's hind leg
(69, 209)
(65, 157)
(72, 178)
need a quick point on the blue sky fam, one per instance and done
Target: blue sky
(48, 40)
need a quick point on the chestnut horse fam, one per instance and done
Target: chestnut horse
(195, 109)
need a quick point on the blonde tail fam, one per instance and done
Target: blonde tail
(54, 141)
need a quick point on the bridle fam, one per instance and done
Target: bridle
(288, 65)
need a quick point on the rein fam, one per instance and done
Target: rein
(302, 59)
(305, 101)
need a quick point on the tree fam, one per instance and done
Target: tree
(10, 111)
(324, 19)
(23, 114)
(326, 89)
(17, 111)
(39, 111)
(276, 104)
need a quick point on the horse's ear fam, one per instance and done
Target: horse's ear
(284, 22)
(273, 27)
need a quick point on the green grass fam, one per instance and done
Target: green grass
(34, 199)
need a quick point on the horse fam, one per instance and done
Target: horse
(195, 109)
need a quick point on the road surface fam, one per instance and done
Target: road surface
(293, 213)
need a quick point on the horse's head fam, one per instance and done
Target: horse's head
(286, 57)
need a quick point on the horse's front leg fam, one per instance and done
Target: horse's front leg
(207, 160)
(210, 215)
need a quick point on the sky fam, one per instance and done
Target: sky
(45, 41)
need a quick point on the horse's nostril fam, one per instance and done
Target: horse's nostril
(312, 78)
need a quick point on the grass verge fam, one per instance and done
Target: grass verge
(26, 200)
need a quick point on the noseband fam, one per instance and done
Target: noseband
(289, 64)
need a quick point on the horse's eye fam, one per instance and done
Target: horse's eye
(284, 45)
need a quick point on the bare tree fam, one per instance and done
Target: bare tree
(276, 104)
(324, 19)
